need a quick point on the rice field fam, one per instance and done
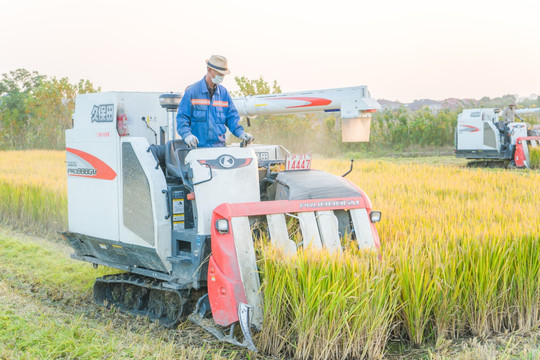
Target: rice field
(459, 257)
(534, 153)
(33, 190)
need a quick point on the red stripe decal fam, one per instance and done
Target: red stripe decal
(313, 101)
(103, 171)
(472, 128)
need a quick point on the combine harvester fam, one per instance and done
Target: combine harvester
(484, 138)
(179, 221)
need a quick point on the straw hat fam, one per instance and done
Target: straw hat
(218, 63)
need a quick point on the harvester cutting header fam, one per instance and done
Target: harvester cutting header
(179, 220)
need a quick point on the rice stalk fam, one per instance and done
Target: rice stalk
(534, 157)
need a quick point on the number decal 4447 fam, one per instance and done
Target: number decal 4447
(295, 162)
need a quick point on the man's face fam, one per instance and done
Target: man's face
(214, 76)
(213, 73)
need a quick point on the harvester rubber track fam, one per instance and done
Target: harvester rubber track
(144, 296)
(490, 164)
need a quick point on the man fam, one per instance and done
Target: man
(207, 110)
(509, 114)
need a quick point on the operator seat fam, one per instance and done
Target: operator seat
(174, 167)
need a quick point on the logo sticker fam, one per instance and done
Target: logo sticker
(82, 164)
(103, 113)
(332, 203)
(226, 162)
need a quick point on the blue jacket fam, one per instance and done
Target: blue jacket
(206, 118)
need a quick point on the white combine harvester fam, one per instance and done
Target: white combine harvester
(178, 220)
(483, 137)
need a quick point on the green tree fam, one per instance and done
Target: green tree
(16, 87)
(35, 110)
(391, 130)
(255, 87)
(500, 102)
(52, 107)
(400, 129)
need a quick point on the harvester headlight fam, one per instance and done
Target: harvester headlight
(222, 226)
(375, 216)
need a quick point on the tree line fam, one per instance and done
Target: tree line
(35, 111)
(392, 130)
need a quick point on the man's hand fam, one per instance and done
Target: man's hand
(191, 140)
(246, 137)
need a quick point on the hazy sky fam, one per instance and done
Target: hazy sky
(402, 50)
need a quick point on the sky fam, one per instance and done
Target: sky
(402, 50)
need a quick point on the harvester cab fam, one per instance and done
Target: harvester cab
(182, 222)
(483, 137)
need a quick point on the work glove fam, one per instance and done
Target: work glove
(246, 137)
(191, 140)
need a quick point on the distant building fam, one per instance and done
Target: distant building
(392, 105)
(455, 104)
(432, 105)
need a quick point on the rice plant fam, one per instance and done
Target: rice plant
(324, 306)
(534, 157)
(33, 190)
